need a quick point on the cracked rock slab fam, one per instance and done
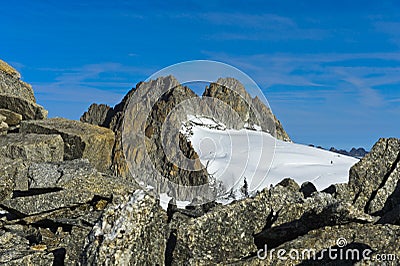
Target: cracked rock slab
(6, 182)
(28, 109)
(30, 205)
(62, 207)
(132, 231)
(374, 178)
(11, 118)
(16, 250)
(45, 175)
(277, 215)
(79, 185)
(32, 147)
(11, 83)
(16, 170)
(81, 140)
(226, 232)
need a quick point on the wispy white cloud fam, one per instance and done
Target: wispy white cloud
(248, 20)
(328, 74)
(395, 100)
(80, 86)
(367, 95)
(259, 27)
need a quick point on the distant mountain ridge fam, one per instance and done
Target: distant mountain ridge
(358, 153)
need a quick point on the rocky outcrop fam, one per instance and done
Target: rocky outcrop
(81, 140)
(11, 83)
(159, 109)
(16, 250)
(278, 215)
(32, 147)
(7, 176)
(15, 170)
(28, 109)
(373, 180)
(11, 118)
(131, 231)
(18, 152)
(52, 218)
(154, 130)
(98, 114)
(252, 111)
(288, 216)
(60, 186)
(17, 101)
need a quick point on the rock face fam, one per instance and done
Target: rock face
(125, 228)
(48, 223)
(11, 118)
(28, 109)
(374, 179)
(159, 111)
(153, 130)
(252, 111)
(7, 176)
(15, 249)
(3, 125)
(11, 83)
(18, 152)
(17, 96)
(278, 215)
(98, 114)
(65, 185)
(81, 140)
(32, 147)
(17, 100)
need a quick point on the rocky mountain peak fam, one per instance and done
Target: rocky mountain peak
(233, 84)
(228, 90)
(252, 111)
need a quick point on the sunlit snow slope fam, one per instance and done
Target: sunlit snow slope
(232, 156)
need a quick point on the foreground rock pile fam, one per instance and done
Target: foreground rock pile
(67, 198)
(17, 100)
(54, 179)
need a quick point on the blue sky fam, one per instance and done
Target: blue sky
(330, 69)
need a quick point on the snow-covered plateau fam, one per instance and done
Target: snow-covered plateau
(242, 162)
